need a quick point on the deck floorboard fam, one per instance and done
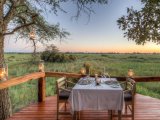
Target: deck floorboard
(146, 108)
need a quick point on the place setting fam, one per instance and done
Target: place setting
(85, 80)
(112, 83)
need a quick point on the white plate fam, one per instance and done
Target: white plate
(84, 82)
(115, 86)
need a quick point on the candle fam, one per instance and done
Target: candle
(96, 75)
(83, 71)
(3, 74)
(32, 35)
(130, 73)
(41, 66)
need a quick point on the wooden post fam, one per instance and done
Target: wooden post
(41, 89)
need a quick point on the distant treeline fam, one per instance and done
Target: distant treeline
(82, 53)
(107, 53)
(17, 53)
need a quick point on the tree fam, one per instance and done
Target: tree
(52, 54)
(52, 48)
(21, 17)
(144, 25)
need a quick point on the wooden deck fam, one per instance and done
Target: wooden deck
(146, 108)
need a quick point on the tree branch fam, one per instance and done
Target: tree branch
(12, 10)
(4, 1)
(17, 28)
(10, 13)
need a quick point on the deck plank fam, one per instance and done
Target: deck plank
(146, 108)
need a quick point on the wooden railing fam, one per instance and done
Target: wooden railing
(40, 76)
(19, 80)
(22, 79)
(140, 78)
(61, 74)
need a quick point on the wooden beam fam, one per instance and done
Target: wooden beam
(41, 89)
(63, 74)
(141, 78)
(119, 78)
(25, 78)
(147, 79)
(75, 75)
(22, 79)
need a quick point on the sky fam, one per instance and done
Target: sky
(100, 34)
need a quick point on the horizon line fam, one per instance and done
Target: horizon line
(92, 52)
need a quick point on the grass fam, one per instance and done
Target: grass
(114, 64)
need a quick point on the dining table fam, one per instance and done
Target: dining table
(107, 95)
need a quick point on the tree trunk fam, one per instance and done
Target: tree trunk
(5, 104)
(34, 51)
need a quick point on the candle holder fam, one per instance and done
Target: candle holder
(83, 71)
(130, 73)
(4, 73)
(32, 34)
(41, 66)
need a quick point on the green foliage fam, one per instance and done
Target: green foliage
(23, 94)
(57, 57)
(52, 54)
(142, 25)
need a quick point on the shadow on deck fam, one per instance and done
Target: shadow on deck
(146, 108)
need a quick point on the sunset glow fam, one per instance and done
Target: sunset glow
(149, 48)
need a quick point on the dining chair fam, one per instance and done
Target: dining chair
(129, 89)
(63, 90)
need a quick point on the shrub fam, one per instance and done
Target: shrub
(55, 56)
(45, 55)
(71, 57)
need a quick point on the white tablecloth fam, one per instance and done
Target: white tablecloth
(92, 97)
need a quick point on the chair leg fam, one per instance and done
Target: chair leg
(74, 116)
(125, 108)
(78, 115)
(110, 114)
(65, 106)
(57, 110)
(132, 116)
(133, 112)
(119, 114)
(113, 113)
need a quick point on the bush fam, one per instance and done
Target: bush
(45, 55)
(71, 57)
(57, 57)
(52, 54)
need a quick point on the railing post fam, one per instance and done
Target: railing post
(41, 84)
(41, 89)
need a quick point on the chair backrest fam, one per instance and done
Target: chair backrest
(131, 85)
(60, 83)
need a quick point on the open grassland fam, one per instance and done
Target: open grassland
(114, 64)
